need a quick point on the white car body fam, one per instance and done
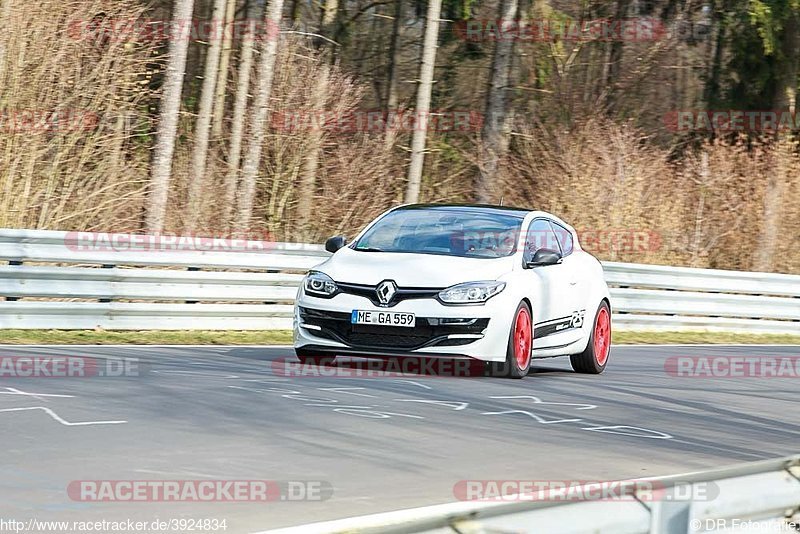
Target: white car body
(563, 298)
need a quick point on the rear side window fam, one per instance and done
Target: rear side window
(564, 237)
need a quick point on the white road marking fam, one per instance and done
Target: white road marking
(622, 430)
(265, 380)
(537, 400)
(374, 414)
(195, 373)
(64, 422)
(534, 416)
(37, 396)
(423, 386)
(345, 390)
(456, 405)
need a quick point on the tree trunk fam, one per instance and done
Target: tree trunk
(711, 93)
(615, 52)
(329, 15)
(238, 123)
(423, 100)
(224, 64)
(168, 122)
(311, 162)
(785, 99)
(308, 176)
(255, 144)
(197, 179)
(391, 71)
(394, 56)
(494, 135)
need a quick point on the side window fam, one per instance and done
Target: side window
(564, 237)
(540, 236)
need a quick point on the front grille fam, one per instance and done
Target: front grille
(428, 331)
(403, 293)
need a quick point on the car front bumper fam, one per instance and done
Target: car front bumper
(475, 331)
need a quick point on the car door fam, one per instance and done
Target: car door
(553, 311)
(576, 285)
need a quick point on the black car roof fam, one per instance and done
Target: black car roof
(477, 208)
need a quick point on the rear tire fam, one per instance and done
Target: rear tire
(310, 357)
(594, 359)
(520, 344)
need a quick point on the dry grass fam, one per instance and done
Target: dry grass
(284, 337)
(92, 172)
(705, 208)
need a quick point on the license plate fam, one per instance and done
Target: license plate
(383, 318)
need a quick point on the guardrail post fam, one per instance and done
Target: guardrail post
(670, 517)
(192, 270)
(14, 263)
(107, 266)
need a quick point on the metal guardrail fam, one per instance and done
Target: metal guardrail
(68, 280)
(767, 492)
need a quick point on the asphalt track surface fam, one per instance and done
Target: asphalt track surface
(221, 413)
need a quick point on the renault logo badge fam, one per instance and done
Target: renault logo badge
(386, 291)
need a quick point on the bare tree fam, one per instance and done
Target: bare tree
(320, 92)
(615, 50)
(261, 112)
(393, 57)
(423, 100)
(168, 123)
(224, 64)
(785, 99)
(238, 122)
(311, 162)
(197, 180)
(494, 135)
(392, 98)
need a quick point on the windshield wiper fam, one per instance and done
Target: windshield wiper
(369, 249)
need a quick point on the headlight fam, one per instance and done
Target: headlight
(319, 285)
(471, 292)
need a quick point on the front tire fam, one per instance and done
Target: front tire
(594, 359)
(520, 344)
(308, 357)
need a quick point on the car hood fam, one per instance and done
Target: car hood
(412, 270)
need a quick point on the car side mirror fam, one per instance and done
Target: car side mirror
(544, 257)
(335, 243)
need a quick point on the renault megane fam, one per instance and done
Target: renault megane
(497, 284)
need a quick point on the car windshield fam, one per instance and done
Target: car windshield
(474, 233)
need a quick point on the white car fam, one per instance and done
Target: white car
(497, 284)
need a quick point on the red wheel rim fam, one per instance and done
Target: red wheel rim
(602, 336)
(522, 338)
